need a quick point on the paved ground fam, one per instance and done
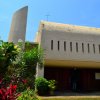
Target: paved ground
(77, 94)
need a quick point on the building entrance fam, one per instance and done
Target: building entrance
(71, 79)
(61, 75)
(75, 80)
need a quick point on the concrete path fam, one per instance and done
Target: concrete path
(77, 94)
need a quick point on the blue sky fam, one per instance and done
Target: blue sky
(77, 12)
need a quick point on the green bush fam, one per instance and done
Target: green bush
(41, 85)
(28, 95)
(52, 86)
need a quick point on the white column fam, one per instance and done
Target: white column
(39, 71)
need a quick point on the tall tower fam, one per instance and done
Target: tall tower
(18, 26)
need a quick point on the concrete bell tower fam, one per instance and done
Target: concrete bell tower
(18, 26)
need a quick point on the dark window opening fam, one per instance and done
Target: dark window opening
(58, 45)
(88, 48)
(94, 48)
(83, 47)
(76, 47)
(71, 46)
(99, 48)
(51, 44)
(64, 45)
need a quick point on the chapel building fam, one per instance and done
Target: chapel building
(71, 55)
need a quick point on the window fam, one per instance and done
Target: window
(58, 45)
(88, 48)
(99, 48)
(83, 47)
(64, 45)
(71, 46)
(76, 47)
(51, 44)
(94, 48)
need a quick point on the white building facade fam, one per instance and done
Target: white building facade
(75, 49)
(71, 53)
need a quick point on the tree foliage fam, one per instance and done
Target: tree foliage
(18, 64)
(8, 53)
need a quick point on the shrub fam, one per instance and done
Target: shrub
(8, 93)
(8, 53)
(28, 95)
(52, 86)
(41, 85)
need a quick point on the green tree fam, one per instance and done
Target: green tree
(31, 58)
(8, 53)
(19, 64)
(24, 67)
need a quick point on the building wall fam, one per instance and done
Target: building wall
(69, 45)
(71, 56)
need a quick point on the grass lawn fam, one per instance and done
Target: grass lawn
(70, 98)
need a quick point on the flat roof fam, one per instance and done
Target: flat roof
(50, 26)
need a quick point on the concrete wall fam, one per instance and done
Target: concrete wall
(67, 54)
(18, 26)
(68, 33)
(85, 46)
